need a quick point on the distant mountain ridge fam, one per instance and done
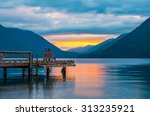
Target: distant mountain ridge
(81, 49)
(13, 39)
(91, 48)
(135, 44)
(102, 46)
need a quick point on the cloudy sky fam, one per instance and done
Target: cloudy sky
(73, 23)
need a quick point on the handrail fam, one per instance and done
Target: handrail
(16, 52)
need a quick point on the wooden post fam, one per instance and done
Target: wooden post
(23, 72)
(30, 66)
(50, 69)
(36, 71)
(29, 73)
(47, 72)
(37, 67)
(5, 73)
(63, 71)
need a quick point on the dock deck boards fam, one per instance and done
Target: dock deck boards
(39, 63)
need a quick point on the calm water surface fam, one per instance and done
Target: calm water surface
(91, 78)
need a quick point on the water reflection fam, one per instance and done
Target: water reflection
(94, 78)
(90, 79)
(129, 81)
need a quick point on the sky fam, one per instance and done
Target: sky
(74, 23)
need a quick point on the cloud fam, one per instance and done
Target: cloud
(74, 16)
(138, 7)
(133, 7)
(79, 36)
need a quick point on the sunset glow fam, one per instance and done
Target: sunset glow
(89, 81)
(77, 40)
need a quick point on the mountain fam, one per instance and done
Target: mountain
(135, 44)
(81, 49)
(13, 39)
(90, 48)
(102, 46)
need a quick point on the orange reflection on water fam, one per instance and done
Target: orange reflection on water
(89, 79)
(70, 75)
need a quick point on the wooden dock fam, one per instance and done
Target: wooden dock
(30, 63)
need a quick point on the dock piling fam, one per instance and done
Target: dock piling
(63, 71)
(37, 64)
(23, 72)
(47, 72)
(29, 73)
(5, 73)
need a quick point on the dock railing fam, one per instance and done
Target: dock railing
(8, 59)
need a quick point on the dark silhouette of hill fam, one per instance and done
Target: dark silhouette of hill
(13, 39)
(135, 44)
(81, 49)
(102, 46)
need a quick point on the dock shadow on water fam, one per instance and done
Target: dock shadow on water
(91, 78)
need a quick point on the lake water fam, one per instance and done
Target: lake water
(91, 78)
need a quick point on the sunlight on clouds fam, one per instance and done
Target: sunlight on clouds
(78, 36)
(77, 40)
(28, 9)
(74, 43)
(56, 15)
